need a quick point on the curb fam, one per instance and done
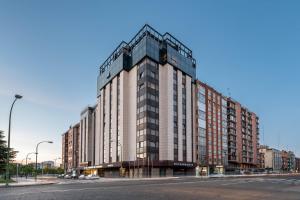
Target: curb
(25, 185)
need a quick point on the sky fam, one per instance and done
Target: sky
(50, 52)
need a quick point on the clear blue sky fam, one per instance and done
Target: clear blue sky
(50, 52)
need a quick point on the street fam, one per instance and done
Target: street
(281, 187)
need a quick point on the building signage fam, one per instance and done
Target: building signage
(183, 164)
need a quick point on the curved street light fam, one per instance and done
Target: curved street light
(17, 96)
(28, 155)
(28, 159)
(56, 160)
(36, 155)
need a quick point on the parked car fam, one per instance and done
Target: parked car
(67, 176)
(74, 176)
(92, 177)
(60, 176)
(81, 177)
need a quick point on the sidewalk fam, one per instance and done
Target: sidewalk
(28, 182)
(250, 175)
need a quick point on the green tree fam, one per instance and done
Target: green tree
(3, 153)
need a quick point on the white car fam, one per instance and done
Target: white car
(92, 177)
(81, 177)
(67, 176)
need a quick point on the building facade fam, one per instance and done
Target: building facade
(153, 118)
(291, 161)
(70, 149)
(243, 136)
(47, 164)
(272, 158)
(212, 138)
(87, 137)
(284, 160)
(145, 108)
(297, 164)
(261, 158)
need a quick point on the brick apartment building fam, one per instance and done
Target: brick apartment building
(70, 148)
(243, 136)
(297, 164)
(211, 147)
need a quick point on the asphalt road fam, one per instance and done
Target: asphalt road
(283, 188)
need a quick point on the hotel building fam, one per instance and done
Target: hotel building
(153, 118)
(145, 113)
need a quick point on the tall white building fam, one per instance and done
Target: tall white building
(145, 116)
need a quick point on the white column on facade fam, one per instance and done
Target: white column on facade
(128, 100)
(195, 128)
(189, 119)
(97, 133)
(84, 138)
(132, 111)
(180, 143)
(101, 120)
(107, 122)
(80, 136)
(114, 119)
(121, 113)
(166, 113)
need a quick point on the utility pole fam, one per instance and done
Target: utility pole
(148, 168)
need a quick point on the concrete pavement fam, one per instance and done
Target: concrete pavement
(243, 188)
(21, 182)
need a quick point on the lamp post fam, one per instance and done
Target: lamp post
(28, 155)
(55, 161)
(17, 96)
(28, 159)
(36, 155)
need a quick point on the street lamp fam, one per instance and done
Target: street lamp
(28, 155)
(17, 96)
(36, 155)
(55, 161)
(28, 159)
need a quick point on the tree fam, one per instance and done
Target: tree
(3, 153)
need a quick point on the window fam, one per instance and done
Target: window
(141, 75)
(201, 98)
(201, 115)
(141, 86)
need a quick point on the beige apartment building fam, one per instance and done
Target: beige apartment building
(272, 158)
